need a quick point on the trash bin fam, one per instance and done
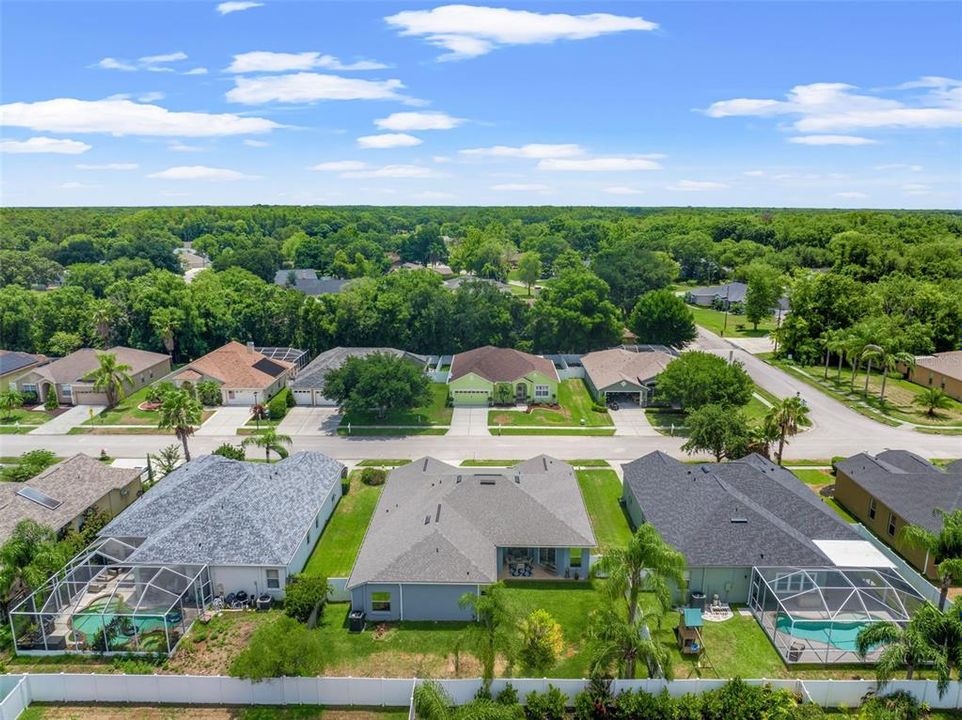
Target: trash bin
(697, 600)
(355, 621)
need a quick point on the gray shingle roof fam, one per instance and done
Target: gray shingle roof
(218, 511)
(307, 282)
(608, 368)
(500, 364)
(738, 514)
(73, 367)
(909, 485)
(312, 376)
(436, 523)
(12, 360)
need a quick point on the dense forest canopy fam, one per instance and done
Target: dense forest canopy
(104, 276)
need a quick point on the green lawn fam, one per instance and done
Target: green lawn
(814, 477)
(392, 431)
(663, 418)
(26, 417)
(597, 432)
(126, 412)
(738, 325)
(13, 430)
(435, 412)
(383, 463)
(601, 490)
(489, 463)
(576, 405)
(334, 554)
(842, 512)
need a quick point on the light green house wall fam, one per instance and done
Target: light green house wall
(472, 389)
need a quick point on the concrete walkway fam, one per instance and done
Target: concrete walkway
(224, 421)
(310, 421)
(469, 422)
(65, 422)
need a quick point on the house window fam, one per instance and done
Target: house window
(574, 559)
(381, 602)
(872, 509)
(29, 387)
(230, 394)
(541, 391)
(273, 580)
(891, 524)
(66, 390)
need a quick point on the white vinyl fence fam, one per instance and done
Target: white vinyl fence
(18, 691)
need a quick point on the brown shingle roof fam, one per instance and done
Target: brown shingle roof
(947, 363)
(607, 367)
(500, 364)
(74, 366)
(233, 365)
(77, 483)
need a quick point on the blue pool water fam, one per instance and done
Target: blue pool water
(843, 634)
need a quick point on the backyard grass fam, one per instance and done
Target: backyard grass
(435, 412)
(601, 490)
(334, 554)
(394, 462)
(575, 406)
(842, 512)
(817, 480)
(738, 325)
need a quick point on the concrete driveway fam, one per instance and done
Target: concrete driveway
(65, 422)
(630, 419)
(469, 421)
(310, 421)
(224, 421)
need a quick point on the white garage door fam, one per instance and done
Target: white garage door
(473, 398)
(303, 397)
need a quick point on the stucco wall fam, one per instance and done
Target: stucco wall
(476, 382)
(729, 583)
(932, 378)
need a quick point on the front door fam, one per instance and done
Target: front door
(521, 392)
(547, 558)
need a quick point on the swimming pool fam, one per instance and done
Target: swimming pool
(840, 635)
(103, 610)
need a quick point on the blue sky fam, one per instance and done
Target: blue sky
(684, 103)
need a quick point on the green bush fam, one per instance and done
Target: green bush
(599, 408)
(29, 464)
(373, 476)
(230, 451)
(283, 648)
(549, 705)
(835, 461)
(208, 392)
(277, 407)
(289, 398)
(508, 696)
(51, 402)
(303, 594)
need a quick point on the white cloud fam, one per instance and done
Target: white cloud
(73, 185)
(387, 140)
(831, 140)
(622, 190)
(311, 87)
(851, 195)
(109, 63)
(407, 121)
(262, 61)
(255, 143)
(54, 146)
(196, 71)
(838, 107)
(916, 189)
(108, 166)
(199, 172)
(599, 164)
(178, 146)
(898, 166)
(225, 8)
(392, 171)
(533, 150)
(754, 173)
(340, 166)
(151, 63)
(150, 97)
(520, 187)
(123, 117)
(440, 159)
(165, 58)
(696, 185)
(467, 31)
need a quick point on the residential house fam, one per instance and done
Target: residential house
(942, 370)
(727, 518)
(440, 531)
(245, 376)
(456, 282)
(62, 495)
(897, 488)
(624, 374)
(252, 524)
(307, 282)
(475, 373)
(14, 364)
(308, 388)
(725, 297)
(66, 376)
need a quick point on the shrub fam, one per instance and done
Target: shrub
(282, 648)
(373, 476)
(208, 392)
(29, 464)
(508, 696)
(289, 398)
(230, 451)
(29, 398)
(598, 407)
(835, 461)
(549, 705)
(541, 642)
(595, 701)
(277, 407)
(51, 402)
(304, 594)
(898, 705)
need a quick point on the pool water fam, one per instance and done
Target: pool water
(92, 619)
(840, 635)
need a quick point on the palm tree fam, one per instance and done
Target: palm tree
(786, 417)
(493, 633)
(835, 343)
(181, 413)
(888, 362)
(613, 641)
(869, 353)
(269, 439)
(933, 399)
(853, 353)
(646, 564)
(110, 378)
(944, 547)
(166, 322)
(906, 647)
(103, 315)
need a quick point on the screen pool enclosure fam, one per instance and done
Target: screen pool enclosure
(98, 603)
(813, 615)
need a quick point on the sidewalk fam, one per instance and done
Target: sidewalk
(65, 422)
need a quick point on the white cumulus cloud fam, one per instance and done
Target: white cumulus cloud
(407, 121)
(340, 166)
(599, 164)
(467, 31)
(387, 140)
(533, 150)
(200, 172)
(308, 87)
(831, 140)
(391, 171)
(108, 166)
(696, 185)
(54, 146)
(196, 71)
(151, 63)
(123, 117)
(262, 61)
(225, 8)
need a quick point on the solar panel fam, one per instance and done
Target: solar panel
(269, 366)
(39, 497)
